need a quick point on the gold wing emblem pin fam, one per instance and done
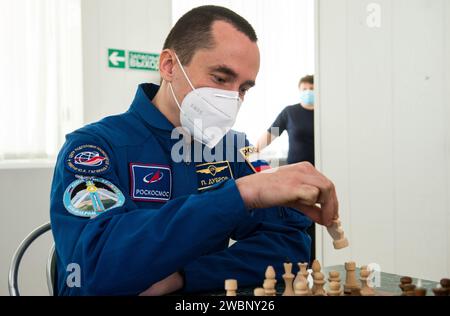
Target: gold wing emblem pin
(212, 170)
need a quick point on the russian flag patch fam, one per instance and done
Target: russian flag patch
(253, 159)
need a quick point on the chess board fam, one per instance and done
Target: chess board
(389, 284)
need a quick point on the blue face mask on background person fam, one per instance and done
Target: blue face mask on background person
(307, 97)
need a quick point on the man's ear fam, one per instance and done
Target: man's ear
(166, 65)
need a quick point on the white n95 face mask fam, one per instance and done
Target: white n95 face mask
(208, 113)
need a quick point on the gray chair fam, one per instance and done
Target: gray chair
(17, 258)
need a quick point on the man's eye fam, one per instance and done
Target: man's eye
(243, 91)
(219, 79)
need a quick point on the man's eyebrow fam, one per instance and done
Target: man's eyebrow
(230, 72)
(225, 70)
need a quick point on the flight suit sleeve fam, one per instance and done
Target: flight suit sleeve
(269, 236)
(125, 249)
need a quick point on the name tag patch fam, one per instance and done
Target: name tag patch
(150, 183)
(209, 174)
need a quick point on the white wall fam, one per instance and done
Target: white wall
(139, 25)
(25, 205)
(383, 134)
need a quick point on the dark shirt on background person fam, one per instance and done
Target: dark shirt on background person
(299, 124)
(298, 121)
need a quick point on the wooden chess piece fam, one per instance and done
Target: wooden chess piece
(445, 283)
(259, 291)
(288, 278)
(409, 290)
(299, 275)
(319, 282)
(269, 287)
(316, 267)
(350, 279)
(366, 290)
(355, 292)
(335, 289)
(440, 291)
(270, 282)
(309, 196)
(334, 276)
(337, 233)
(231, 287)
(419, 290)
(305, 274)
(301, 288)
(404, 281)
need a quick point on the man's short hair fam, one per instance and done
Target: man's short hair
(307, 79)
(193, 31)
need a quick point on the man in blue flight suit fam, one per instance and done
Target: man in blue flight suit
(135, 209)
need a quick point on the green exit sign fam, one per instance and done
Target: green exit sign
(116, 58)
(143, 61)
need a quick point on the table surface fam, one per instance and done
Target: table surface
(389, 284)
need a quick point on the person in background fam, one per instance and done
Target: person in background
(298, 121)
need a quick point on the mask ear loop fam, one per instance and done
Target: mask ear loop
(174, 97)
(184, 72)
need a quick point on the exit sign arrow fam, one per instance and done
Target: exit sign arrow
(116, 58)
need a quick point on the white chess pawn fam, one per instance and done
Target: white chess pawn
(335, 289)
(334, 276)
(319, 283)
(366, 290)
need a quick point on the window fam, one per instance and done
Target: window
(286, 39)
(40, 76)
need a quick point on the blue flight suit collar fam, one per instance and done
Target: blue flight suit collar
(144, 106)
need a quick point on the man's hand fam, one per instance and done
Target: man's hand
(172, 283)
(299, 186)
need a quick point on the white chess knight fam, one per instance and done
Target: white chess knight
(337, 233)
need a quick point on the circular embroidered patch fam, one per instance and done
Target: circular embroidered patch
(90, 197)
(88, 160)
